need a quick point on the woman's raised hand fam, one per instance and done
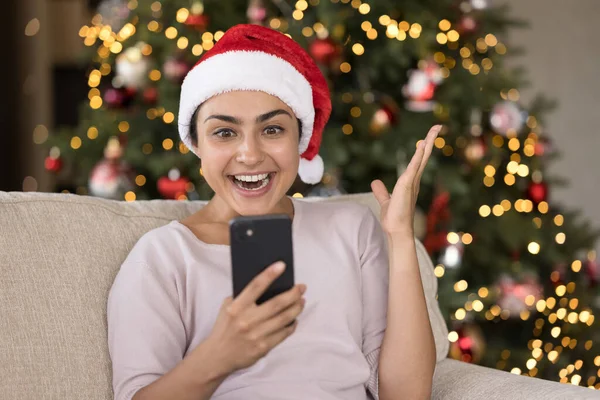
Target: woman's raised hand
(397, 211)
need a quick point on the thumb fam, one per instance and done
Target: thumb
(380, 191)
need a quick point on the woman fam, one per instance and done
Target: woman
(253, 110)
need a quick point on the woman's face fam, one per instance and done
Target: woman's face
(248, 144)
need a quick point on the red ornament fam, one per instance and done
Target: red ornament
(382, 119)
(537, 192)
(543, 146)
(467, 24)
(119, 97)
(591, 271)
(150, 95)
(173, 186)
(470, 345)
(198, 22)
(324, 51)
(53, 164)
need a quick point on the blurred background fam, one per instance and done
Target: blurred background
(508, 209)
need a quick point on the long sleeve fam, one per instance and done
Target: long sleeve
(146, 336)
(375, 280)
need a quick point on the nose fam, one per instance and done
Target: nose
(250, 151)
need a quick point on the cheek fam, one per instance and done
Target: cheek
(214, 160)
(286, 155)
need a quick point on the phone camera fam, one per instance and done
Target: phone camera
(249, 232)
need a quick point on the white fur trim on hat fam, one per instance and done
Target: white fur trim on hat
(247, 70)
(311, 171)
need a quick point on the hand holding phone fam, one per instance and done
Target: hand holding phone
(244, 331)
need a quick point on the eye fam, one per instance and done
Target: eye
(224, 133)
(273, 130)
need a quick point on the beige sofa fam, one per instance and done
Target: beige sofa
(59, 255)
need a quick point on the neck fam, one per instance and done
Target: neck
(220, 211)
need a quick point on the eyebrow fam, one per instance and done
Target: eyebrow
(259, 119)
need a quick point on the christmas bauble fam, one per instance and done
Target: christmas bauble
(537, 192)
(197, 19)
(173, 185)
(507, 117)
(591, 271)
(467, 24)
(452, 255)
(324, 51)
(513, 295)
(470, 345)
(175, 70)
(150, 95)
(475, 150)
(479, 4)
(118, 97)
(256, 12)
(421, 85)
(53, 164)
(382, 119)
(111, 179)
(543, 146)
(132, 67)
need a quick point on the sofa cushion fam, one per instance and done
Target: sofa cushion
(59, 255)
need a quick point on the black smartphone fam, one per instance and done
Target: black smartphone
(256, 243)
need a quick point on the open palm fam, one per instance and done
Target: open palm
(398, 210)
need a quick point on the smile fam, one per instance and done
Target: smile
(252, 182)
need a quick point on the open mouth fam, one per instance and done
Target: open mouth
(252, 182)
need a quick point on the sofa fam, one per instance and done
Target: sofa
(59, 254)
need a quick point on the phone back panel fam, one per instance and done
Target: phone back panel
(256, 243)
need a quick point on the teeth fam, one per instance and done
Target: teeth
(263, 184)
(251, 178)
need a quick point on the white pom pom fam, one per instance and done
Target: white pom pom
(311, 171)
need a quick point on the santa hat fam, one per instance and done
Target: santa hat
(253, 57)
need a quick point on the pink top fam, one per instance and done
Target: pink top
(166, 298)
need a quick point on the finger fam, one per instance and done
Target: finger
(407, 178)
(279, 336)
(277, 304)
(429, 142)
(257, 286)
(281, 320)
(380, 191)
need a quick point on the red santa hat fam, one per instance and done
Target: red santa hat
(253, 57)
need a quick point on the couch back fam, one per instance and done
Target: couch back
(59, 255)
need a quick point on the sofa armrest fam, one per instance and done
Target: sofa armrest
(456, 380)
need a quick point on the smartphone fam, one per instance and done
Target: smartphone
(256, 243)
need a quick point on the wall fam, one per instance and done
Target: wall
(562, 56)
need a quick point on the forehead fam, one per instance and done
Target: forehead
(244, 102)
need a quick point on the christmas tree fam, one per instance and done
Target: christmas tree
(517, 282)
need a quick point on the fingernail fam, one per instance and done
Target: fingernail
(279, 266)
(302, 289)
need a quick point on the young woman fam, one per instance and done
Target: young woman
(253, 110)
